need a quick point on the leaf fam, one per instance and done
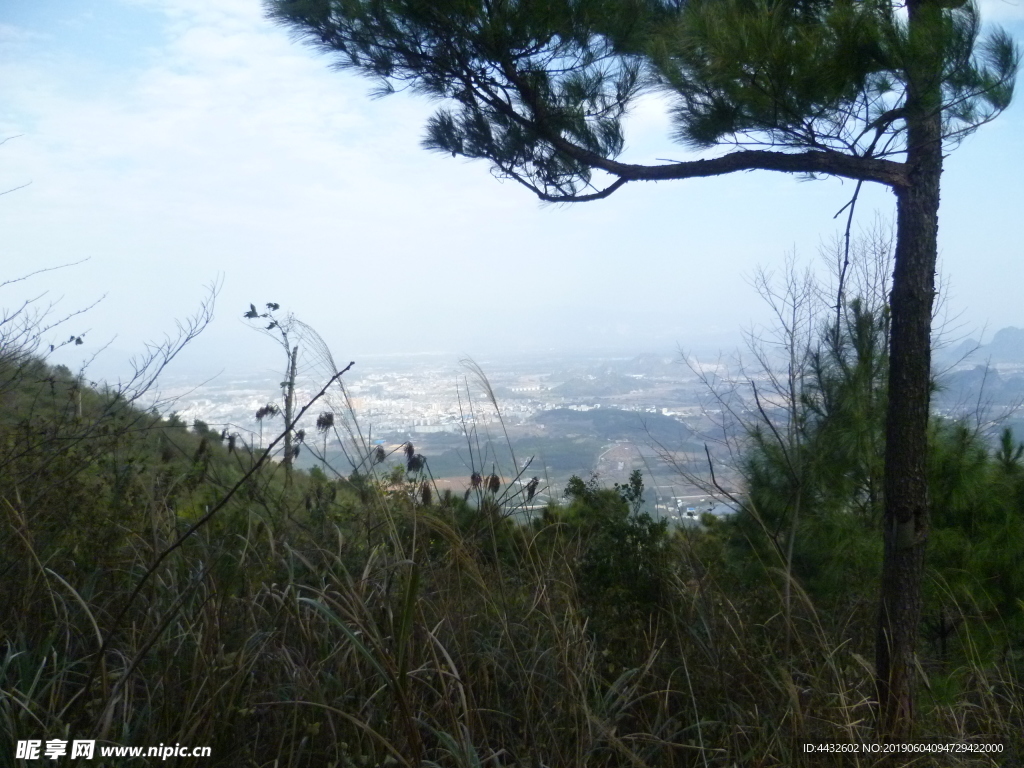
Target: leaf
(363, 650)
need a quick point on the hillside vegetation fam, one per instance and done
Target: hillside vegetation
(166, 583)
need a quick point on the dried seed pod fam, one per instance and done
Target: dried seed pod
(324, 421)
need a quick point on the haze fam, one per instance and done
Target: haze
(173, 143)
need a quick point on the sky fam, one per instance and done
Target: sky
(171, 144)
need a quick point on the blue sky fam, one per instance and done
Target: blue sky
(175, 142)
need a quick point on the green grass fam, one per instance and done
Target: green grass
(362, 627)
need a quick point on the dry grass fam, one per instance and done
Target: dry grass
(405, 636)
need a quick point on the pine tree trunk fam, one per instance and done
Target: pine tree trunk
(906, 449)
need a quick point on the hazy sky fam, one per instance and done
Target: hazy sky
(177, 142)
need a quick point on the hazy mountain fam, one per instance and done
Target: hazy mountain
(614, 424)
(966, 387)
(1007, 346)
(607, 385)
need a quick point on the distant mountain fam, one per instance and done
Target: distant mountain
(966, 387)
(606, 385)
(648, 364)
(1007, 346)
(614, 424)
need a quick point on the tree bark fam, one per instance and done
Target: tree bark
(906, 449)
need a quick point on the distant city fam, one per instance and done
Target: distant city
(557, 416)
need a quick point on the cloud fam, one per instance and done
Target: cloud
(227, 149)
(1002, 11)
(205, 141)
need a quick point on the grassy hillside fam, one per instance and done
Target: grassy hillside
(164, 584)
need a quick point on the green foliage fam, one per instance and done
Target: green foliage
(790, 73)
(815, 498)
(632, 492)
(748, 67)
(358, 621)
(813, 465)
(541, 89)
(464, 51)
(977, 552)
(624, 562)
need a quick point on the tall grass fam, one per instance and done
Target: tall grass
(383, 630)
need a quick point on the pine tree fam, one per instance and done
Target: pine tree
(860, 89)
